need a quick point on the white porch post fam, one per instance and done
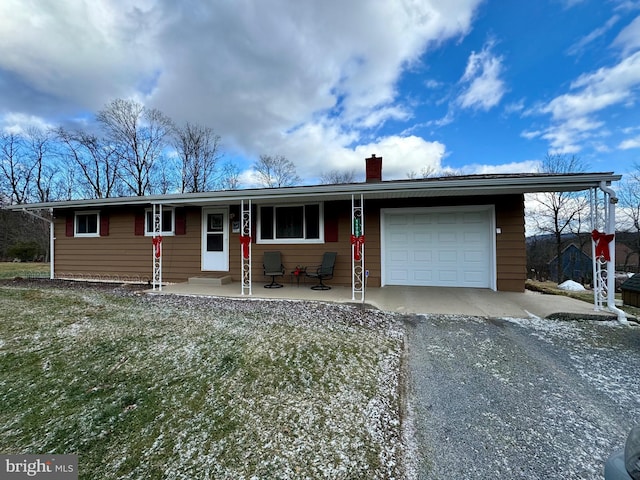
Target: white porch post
(52, 239)
(604, 269)
(157, 246)
(597, 277)
(245, 249)
(358, 273)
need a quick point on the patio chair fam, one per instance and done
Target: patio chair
(323, 272)
(273, 267)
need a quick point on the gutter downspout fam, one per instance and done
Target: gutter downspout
(51, 238)
(611, 265)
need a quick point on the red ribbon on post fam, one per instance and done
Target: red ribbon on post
(602, 241)
(358, 242)
(245, 241)
(157, 241)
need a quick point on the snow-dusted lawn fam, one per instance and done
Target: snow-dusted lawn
(184, 387)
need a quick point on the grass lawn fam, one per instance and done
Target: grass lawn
(551, 288)
(185, 387)
(22, 269)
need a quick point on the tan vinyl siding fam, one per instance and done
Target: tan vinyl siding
(124, 256)
(511, 259)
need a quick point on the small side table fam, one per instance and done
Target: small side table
(297, 273)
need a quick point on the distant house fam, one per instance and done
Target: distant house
(465, 231)
(576, 266)
(631, 291)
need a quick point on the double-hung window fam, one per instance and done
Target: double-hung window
(167, 222)
(87, 224)
(291, 224)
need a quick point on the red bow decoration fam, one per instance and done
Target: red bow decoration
(602, 244)
(358, 242)
(157, 241)
(245, 241)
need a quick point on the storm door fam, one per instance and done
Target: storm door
(215, 239)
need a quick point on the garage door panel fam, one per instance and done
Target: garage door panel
(446, 219)
(399, 220)
(399, 276)
(474, 277)
(448, 248)
(448, 276)
(422, 238)
(447, 256)
(398, 256)
(423, 219)
(473, 217)
(422, 256)
(474, 256)
(474, 237)
(399, 238)
(423, 276)
(447, 237)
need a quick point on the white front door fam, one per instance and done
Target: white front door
(215, 239)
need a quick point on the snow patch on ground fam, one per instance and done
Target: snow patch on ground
(571, 286)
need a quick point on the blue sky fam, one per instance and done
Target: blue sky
(462, 86)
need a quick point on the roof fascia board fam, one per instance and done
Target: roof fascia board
(430, 187)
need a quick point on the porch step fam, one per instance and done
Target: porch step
(212, 281)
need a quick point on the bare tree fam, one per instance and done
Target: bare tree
(40, 147)
(138, 135)
(229, 178)
(276, 171)
(629, 196)
(198, 149)
(335, 176)
(559, 213)
(16, 168)
(95, 159)
(425, 172)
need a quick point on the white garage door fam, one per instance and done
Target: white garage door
(438, 247)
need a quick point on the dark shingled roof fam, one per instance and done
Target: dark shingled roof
(632, 285)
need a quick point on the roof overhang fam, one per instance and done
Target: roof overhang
(472, 185)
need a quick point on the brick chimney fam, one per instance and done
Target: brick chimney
(374, 169)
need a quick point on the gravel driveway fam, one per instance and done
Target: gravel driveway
(534, 399)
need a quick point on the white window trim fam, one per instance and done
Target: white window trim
(168, 233)
(75, 223)
(291, 241)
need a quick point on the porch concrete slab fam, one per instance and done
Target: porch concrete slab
(410, 300)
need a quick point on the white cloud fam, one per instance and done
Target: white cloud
(302, 79)
(483, 86)
(630, 143)
(514, 107)
(526, 166)
(402, 155)
(83, 52)
(312, 155)
(629, 38)
(19, 123)
(575, 115)
(432, 84)
(592, 36)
